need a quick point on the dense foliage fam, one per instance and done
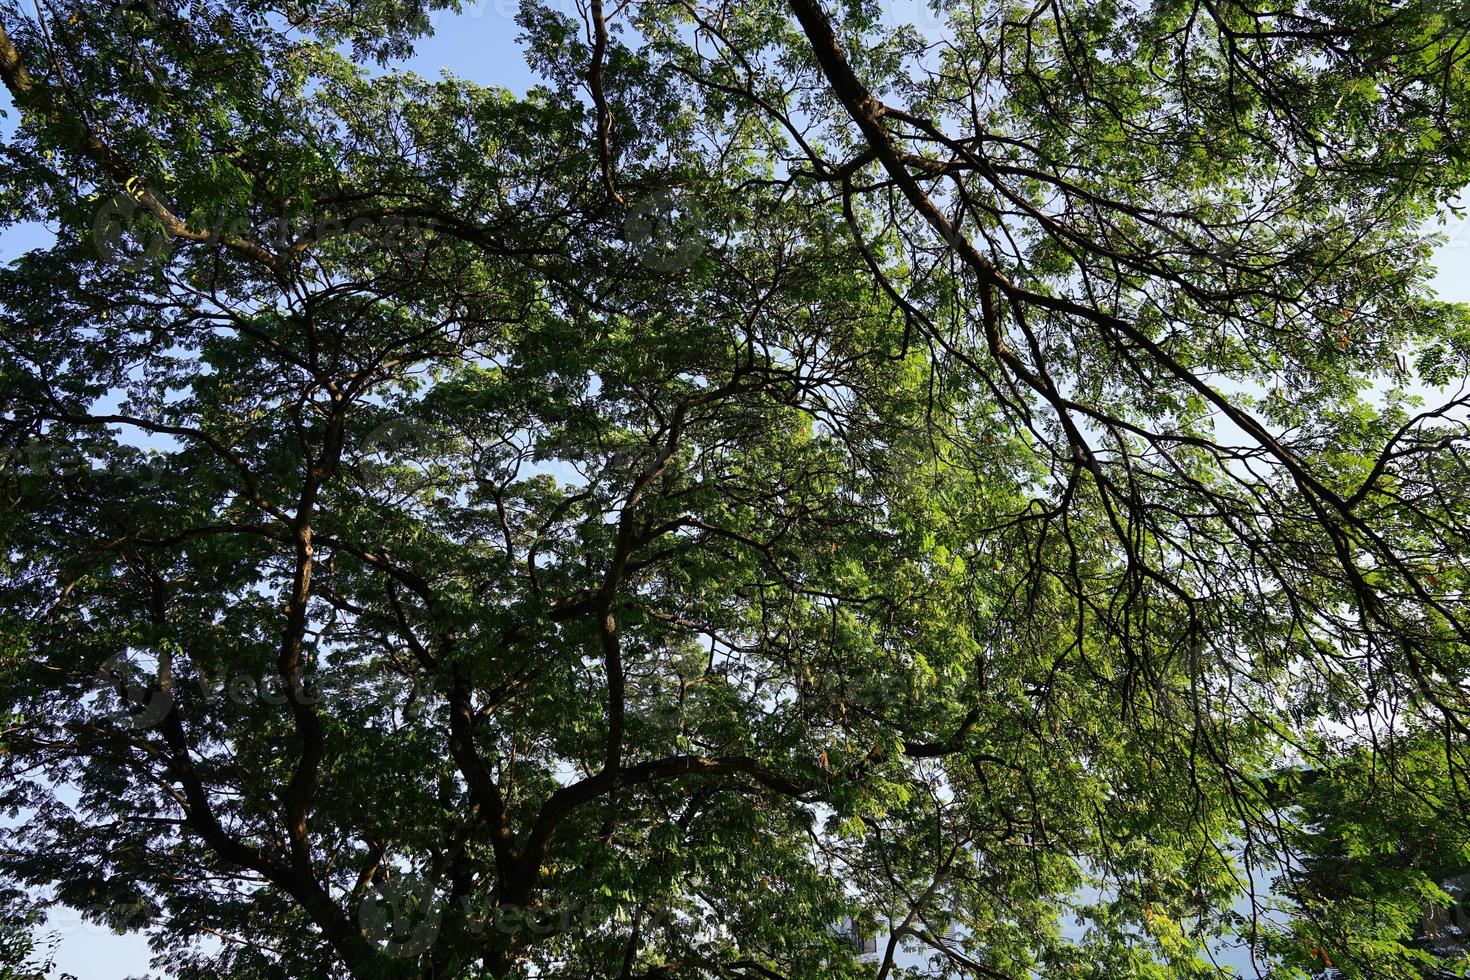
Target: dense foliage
(984, 479)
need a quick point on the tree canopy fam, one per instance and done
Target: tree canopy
(999, 481)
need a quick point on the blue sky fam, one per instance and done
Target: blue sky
(480, 44)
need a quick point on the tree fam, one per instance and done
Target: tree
(20, 957)
(1370, 872)
(785, 469)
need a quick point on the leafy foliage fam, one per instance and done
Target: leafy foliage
(786, 469)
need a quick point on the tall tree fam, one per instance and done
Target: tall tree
(788, 468)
